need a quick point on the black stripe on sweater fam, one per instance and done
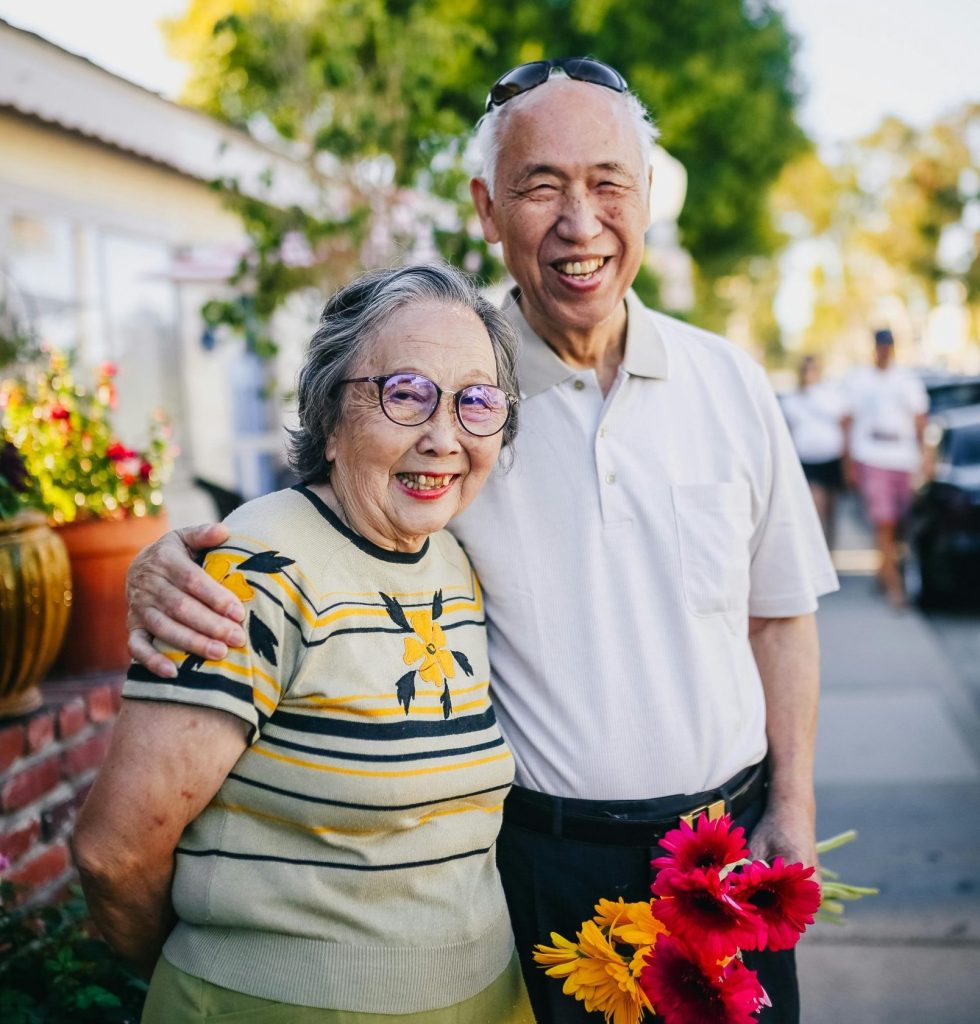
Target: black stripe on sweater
(303, 862)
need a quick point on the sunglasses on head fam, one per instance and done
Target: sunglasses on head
(525, 77)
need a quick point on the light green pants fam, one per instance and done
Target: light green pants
(179, 998)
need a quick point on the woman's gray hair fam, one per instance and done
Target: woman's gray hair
(490, 129)
(350, 322)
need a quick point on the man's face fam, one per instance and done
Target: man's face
(570, 205)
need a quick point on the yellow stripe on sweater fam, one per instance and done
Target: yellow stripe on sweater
(415, 709)
(334, 702)
(300, 763)
(322, 830)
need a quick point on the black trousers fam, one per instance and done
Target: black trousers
(553, 884)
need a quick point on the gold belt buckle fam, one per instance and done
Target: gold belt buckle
(714, 811)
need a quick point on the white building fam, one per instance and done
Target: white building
(111, 240)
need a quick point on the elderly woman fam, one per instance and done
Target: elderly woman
(306, 828)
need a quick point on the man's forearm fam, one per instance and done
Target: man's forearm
(132, 910)
(788, 657)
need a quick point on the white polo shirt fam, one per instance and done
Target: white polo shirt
(622, 554)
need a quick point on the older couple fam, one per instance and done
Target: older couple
(651, 565)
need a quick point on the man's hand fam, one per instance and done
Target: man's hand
(786, 832)
(172, 598)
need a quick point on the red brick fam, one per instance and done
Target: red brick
(40, 731)
(27, 785)
(55, 818)
(101, 707)
(43, 868)
(71, 717)
(11, 745)
(15, 843)
(86, 755)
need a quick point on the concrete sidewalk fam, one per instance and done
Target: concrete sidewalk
(898, 758)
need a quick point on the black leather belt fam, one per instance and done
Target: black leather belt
(626, 822)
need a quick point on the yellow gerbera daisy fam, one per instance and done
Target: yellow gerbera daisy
(429, 644)
(595, 973)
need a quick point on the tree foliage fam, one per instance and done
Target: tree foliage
(380, 93)
(896, 217)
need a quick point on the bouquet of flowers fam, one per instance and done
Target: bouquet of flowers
(80, 468)
(679, 954)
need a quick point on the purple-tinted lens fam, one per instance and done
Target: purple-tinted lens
(409, 398)
(482, 409)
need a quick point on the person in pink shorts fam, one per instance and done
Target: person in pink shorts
(884, 427)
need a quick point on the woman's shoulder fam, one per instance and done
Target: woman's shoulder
(286, 521)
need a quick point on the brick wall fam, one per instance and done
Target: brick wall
(48, 760)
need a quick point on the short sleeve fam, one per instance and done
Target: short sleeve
(250, 681)
(918, 396)
(790, 563)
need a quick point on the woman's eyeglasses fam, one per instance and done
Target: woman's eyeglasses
(411, 399)
(525, 77)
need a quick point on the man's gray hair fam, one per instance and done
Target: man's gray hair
(351, 321)
(490, 129)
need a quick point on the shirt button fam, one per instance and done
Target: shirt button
(602, 431)
(580, 385)
(610, 478)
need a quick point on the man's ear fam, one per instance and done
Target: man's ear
(484, 209)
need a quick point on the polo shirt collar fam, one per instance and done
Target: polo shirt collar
(540, 368)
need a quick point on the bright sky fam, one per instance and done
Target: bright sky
(860, 59)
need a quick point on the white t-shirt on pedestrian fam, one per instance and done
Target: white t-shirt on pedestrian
(814, 416)
(884, 405)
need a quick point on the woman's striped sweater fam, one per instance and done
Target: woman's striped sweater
(348, 859)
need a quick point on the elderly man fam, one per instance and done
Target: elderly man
(651, 563)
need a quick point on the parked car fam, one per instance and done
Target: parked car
(951, 392)
(942, 564)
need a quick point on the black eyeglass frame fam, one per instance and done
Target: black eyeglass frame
(382, 378)
(597, 72)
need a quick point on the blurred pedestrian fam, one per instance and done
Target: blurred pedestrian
(883, 429)
(815, 413)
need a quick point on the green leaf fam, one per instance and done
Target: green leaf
(262, 640)
(405, 689)
(265, 561)
(396, 613)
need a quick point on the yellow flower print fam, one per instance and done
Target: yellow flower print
(219, 568)
(429, 644)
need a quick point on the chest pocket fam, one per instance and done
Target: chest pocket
(713, 524)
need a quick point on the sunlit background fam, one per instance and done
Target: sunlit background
(818, 178)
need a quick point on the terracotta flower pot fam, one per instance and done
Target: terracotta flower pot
(100, 552)
(35, 595)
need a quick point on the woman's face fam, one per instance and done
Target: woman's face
(397, 484)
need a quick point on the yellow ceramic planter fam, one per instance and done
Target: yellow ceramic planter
(35, 599)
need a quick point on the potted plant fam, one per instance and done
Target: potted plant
(104, 497)
(35, 588)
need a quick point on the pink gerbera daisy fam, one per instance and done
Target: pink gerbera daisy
(710, 844)
(688, 988)
(783, 896)
(698, 907)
